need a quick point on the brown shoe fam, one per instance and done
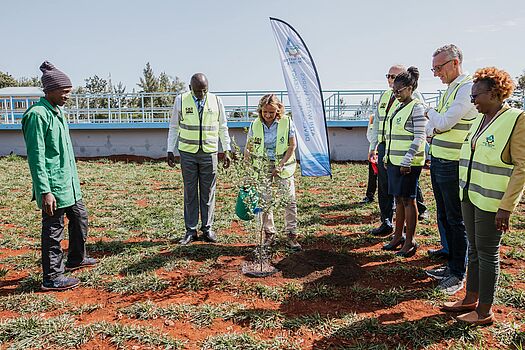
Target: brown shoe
(474, 319)
(458, 306)
(268, 239)
(292, 242)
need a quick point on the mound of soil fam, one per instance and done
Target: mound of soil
(321, 266)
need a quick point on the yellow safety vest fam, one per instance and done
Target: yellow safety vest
(383, 115)
(199, 131)
(399, 139)
(482, 171)
(283, 130)
(447, 145)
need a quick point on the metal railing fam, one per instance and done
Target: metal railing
(157, 107)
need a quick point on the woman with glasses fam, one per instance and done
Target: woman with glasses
(404, 159)
(491, 180)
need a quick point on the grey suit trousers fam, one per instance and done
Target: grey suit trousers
(199, 172)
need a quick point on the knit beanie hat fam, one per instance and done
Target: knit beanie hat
(52, 78)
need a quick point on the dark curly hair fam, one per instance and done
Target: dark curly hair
(497, 80)
(408, 78)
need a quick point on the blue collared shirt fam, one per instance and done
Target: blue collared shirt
(270, 137)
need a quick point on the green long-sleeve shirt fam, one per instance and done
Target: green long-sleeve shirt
(50, 154)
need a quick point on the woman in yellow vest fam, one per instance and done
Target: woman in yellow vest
(491, 180)
(272, 137)
(404, 159)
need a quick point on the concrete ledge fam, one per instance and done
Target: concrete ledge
(347, 139)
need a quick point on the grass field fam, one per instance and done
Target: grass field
(148, 292)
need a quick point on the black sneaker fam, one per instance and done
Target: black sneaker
(60, 283)
(423, 216)
(86, 262)
(366, 200)
(439, 273)
(383, 230)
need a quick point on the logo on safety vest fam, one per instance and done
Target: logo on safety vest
(489, 141)
(398, 120)
(188, 110)
(257, 140)
(383, 105)
(282, 139)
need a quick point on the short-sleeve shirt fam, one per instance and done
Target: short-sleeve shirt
(270, 137)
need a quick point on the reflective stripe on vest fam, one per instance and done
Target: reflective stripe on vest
(195, 131)
(382, 113)
(448, 144)
(482, 171)
(283, 130)
(399, 139)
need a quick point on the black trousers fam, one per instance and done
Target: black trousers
(372, 182)
(53, 233)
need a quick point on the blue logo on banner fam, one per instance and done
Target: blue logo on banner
(292, 49)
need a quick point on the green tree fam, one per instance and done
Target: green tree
(31, 81)
(97, 85)
(7, 80)
(149, 82)
(521, 82)
(519, 92)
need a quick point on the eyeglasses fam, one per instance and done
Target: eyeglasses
(474, 96)
(390, 76)
(396, 92)
(438, 68)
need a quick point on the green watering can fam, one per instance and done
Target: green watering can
(247, 201)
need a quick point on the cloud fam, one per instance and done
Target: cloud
(496, 27)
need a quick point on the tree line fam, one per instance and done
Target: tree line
(149, 82)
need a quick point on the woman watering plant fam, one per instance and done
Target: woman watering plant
(271, 137)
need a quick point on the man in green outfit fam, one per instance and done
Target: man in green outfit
(56, 187)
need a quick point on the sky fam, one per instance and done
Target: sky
(353, 43)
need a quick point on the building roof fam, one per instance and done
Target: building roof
(24, 91)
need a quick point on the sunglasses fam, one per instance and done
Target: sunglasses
(438, 68)
(474, 96)
(390, 76)
(396, 92)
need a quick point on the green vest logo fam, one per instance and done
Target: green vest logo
(257, 140)
(383, 105)
(189, 110)
(282, 139)
(398, 120)
(489, 141)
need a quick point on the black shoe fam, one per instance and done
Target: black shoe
(382, 230)
(209, 236)
(423, 216)
(390, 246)
(437, 253)
(60, 283)
(366, 200)
(411, 252)
(188, 238)
(85, 263)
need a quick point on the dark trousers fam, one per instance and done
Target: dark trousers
(386, 201)
(445, 183)
(483, 251)
(199, 173)
(53, 233)
(372, 182)
(421, 207)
